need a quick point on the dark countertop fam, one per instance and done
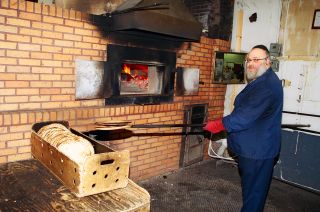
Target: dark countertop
(29, 186)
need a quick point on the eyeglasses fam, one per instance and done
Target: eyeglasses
(255, 60)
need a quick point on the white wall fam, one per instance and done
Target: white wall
(302, 92)
(300, 63)
(287, 22)
(264, 31)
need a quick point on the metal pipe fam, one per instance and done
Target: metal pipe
(165, 125)
(202, 125)
(303, 114)
(115, 124)
(295, 125)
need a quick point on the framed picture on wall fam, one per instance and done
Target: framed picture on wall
(228, 67)
(316, 19)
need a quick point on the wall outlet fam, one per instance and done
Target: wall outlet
(275, 49)
(275, 65)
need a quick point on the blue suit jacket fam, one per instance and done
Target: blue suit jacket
(254, 126)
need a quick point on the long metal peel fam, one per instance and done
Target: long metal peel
(127, 124)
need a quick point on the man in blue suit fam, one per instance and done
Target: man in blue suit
(254, 128)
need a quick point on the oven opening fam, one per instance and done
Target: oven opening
(140, 78)
(135, 75)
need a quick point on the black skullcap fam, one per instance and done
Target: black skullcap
(263, 47)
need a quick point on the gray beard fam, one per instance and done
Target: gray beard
(250, 76)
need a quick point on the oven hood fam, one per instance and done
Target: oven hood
(169, 18)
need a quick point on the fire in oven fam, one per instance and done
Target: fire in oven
(138, 76)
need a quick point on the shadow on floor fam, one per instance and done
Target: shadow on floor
(214, 185)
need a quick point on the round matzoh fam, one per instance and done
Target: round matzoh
(112, 127)
(52, 126)
(75, 147)
(77, 151)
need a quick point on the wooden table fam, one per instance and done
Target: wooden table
(29, 186)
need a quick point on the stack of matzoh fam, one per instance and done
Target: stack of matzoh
(75, 147)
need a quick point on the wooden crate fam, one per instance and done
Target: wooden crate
(104, 171)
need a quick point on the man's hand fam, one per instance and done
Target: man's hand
(214, 126)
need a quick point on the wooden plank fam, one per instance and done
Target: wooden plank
(239, 30)
(29, 186)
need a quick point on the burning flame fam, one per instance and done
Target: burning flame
(134, 72)
(126, 69)
(134, 75)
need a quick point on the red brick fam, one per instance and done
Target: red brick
(47, 105)
(24, 149)
(72, 104)
(29, 16)
(22, 5)
(23, 118)
(8, 45)
(18, 157)
(59, 12)
(46, 70)
(29, 62)
(7, 92)
(43, 26)
(42, 98)
(27, 31)
(20, 54)
(29, 6)
(63, 43)
(72, 23)
(29, 106)
(136, 163)
(53, 49)
(8, 12)
(16, 84)
(78, 31)
(99, 47)
(28, 47)
(8, 151)
(72, 37)
(63, 29)
(54, 35)
(7, 76)
(83, 45)
(90, 52)
(63, 71)
(61, 98)
(90, 39)
(41, 55)
(52, 20)
(62, 57)
(18, 22)
(29, 91)
(19, 38)
(145, 166)
(3, 159)
(40, 84)
(51, 63)
(42, 41)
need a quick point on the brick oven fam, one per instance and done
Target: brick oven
(39, 46)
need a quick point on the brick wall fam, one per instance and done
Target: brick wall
(38, 48)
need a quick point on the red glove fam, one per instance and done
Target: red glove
(214, 126)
